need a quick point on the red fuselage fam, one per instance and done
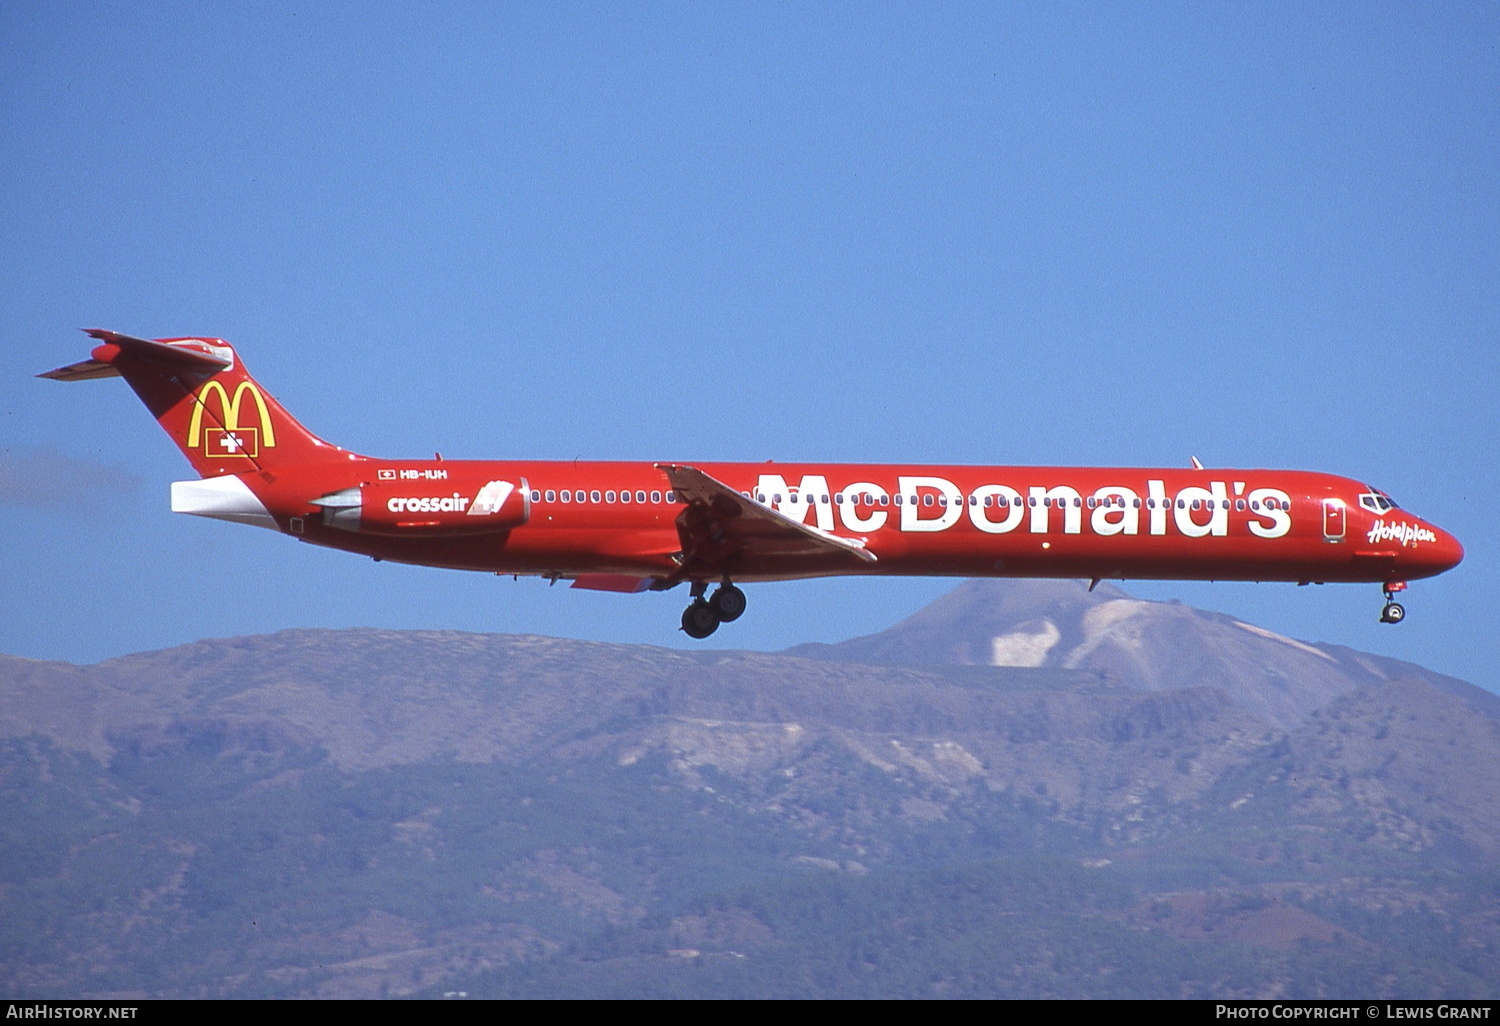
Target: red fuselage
(1251, 525)
(631, 526)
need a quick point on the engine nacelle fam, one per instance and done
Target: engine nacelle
(414, 508)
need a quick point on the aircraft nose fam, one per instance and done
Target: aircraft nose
(1449, 551)
(1432, 557)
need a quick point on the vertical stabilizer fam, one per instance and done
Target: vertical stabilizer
(199, 392)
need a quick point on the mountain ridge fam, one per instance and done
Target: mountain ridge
(368, 812)
(1149, 645)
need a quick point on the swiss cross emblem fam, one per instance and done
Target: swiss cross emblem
(232, 442)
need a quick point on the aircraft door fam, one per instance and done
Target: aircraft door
(1333, 519)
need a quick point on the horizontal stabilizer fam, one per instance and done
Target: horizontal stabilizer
(192, 356)
(82, 371)
(163, 354)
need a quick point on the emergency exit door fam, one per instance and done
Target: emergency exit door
(1333, 519)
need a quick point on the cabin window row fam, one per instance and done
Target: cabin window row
(868, 499)
(606, 496)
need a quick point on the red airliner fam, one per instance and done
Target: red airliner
(636, 526)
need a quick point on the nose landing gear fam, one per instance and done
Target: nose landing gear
(703, 616)
(1393, 612)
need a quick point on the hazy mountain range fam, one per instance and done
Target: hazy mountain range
(1026, 789)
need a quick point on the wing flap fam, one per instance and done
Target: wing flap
(754, 528)
(625, 584)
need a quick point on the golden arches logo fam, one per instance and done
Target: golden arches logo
(224, 441)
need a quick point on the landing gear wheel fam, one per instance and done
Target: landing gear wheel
(728, 603)
(699, 620)
(1392, 613)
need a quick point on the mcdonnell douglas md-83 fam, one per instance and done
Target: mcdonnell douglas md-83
(636, 526)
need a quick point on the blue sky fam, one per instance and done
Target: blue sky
(1264, 235)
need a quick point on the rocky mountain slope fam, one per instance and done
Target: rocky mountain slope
(1146, 645)
(1185, 804)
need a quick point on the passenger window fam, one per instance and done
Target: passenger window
(624, 496)
(671, 497)
(656, 496)
(567, 496)
(536, 495)
(594, 496)
(551, 495)
(926, 500)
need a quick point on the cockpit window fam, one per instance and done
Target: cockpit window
(1376, 502)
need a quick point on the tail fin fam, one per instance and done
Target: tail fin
(200, 394)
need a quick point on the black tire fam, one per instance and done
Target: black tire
(728, 602)
(699, 620)
(1393, 612)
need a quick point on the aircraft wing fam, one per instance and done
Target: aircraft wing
(721, 527)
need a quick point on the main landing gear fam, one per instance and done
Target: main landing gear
(1393, 612)
(703, 617)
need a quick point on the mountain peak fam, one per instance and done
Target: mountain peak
(963, 626)
(1142, 644)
